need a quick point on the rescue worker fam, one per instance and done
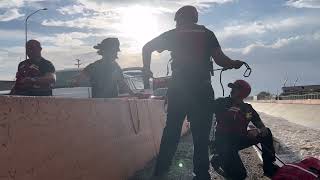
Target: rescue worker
(105, 75)
(231, 135)
(190, 91)
(36, 75)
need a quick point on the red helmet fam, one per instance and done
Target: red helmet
(243, 86)
(187, 13)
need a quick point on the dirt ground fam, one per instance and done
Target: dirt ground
(183, 157)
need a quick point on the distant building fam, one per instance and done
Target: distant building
(300, 90)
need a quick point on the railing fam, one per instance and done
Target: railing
(304, 96)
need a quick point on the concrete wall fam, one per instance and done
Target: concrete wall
(303, 112)
(77, 139)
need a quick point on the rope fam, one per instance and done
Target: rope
(135, 129)
(247, 73)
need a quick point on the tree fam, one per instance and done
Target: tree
(264, 95)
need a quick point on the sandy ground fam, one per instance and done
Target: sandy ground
(297, 141)
(184, 156)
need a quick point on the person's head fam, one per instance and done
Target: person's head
(186, 15)
(108, 48)
(33, 48)
(240, 90)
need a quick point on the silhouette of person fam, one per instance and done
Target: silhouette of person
(105, 75)
(231, 135)
(36, 75)
(190, 91)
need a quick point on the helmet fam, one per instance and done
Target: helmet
(107, 43)
(187, 13)
(243, 86)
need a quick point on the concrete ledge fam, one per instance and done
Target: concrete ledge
(304, 114)
(91, 139)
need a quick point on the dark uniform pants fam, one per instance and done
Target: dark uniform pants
(195, 104)
(228, 146)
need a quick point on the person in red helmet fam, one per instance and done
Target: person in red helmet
(233, 116)
(190, 91)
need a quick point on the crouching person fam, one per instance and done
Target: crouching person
(233, 117)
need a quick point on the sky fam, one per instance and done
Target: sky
(279, 39)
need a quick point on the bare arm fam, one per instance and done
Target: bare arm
(147, 50)
(223, 60)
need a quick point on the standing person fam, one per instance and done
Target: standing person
(105, 75)
(190, 91)
(231, 135)
(36, 75)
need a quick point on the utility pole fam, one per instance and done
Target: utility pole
(78, 63)
(26, 27)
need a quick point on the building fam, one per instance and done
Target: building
(300, 90)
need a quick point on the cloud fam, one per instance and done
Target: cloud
(303, 3)
(10, 14)
(17, 3)
(73, 9)
(276, 45)
(266, 26)
(102, 21)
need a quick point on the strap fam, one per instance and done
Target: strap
(303, 169)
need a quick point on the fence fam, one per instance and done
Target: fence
(304, 96)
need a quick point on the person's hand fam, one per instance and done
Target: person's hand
(237, 64)
(253, 133)
(26, 81)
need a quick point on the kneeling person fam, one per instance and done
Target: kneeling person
(233, 116)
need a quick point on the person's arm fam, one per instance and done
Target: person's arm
(219, 57)
(83, 75)
(48, 78)
(223, 60)
(256, 120)
(159, 44)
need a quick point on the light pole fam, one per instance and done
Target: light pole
(26, 26)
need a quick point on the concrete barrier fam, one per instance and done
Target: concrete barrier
(77, 139)
(305, 113)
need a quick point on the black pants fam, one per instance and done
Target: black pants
(195, 104)
(228, 146)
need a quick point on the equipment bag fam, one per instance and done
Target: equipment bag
(307, 169)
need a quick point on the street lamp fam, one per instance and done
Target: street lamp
(26, 25)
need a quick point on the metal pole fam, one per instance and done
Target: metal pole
(26, 27)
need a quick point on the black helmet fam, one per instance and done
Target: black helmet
(187, 14)
(112, 43)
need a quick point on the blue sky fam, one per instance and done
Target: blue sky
(279, 38)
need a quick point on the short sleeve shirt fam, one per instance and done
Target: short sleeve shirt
(34, 69)
(191, 48)
(104, 77)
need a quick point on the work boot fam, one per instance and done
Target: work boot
(270, 169)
